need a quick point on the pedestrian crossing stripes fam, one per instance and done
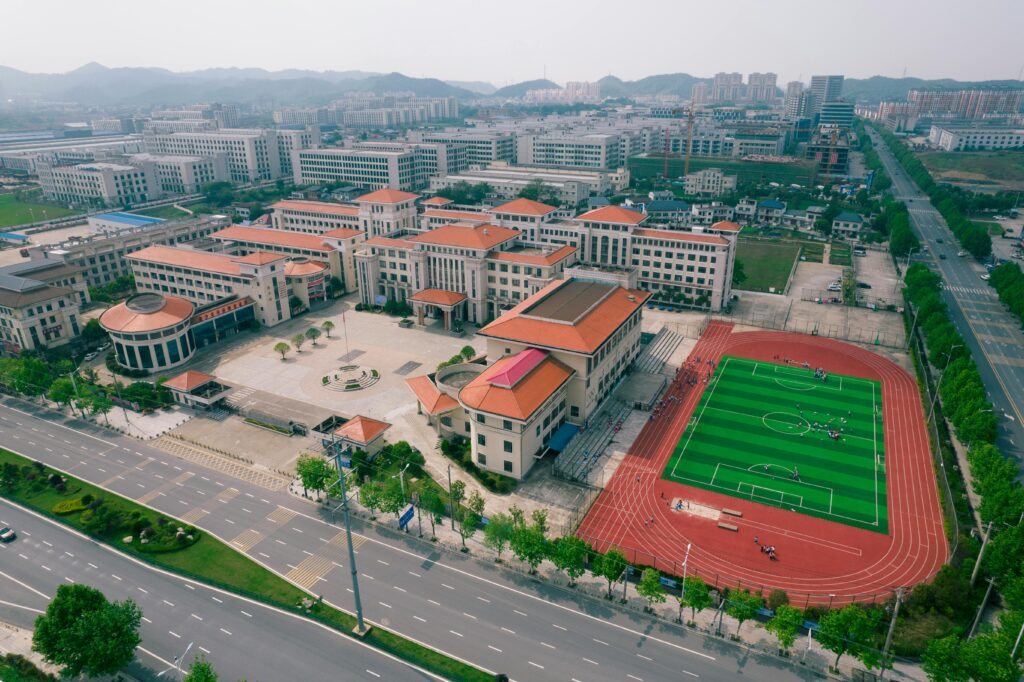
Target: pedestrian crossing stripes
(155, 493)
(339, 540)
(281, 515)
(310, 570)
(976, 291)
(227, 495)
(193, 516)
(247, 539)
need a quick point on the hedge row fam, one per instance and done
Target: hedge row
(1009, 283)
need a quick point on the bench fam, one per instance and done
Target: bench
(728, 526)
(732, 512)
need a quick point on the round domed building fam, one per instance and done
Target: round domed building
(150, 331)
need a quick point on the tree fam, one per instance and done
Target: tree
(100, 403)
(497, 533)
(200, 671)
(467, 352)
(742, 606)
(739, 275)
(313, 334)
(62, 391)
(85, 633)
(650, 587)
(457, 493)
(314, 471)
(219, 193)
(392, 501)
(431, 502)
(370, 494)
(529, 545)
(282, 348)
(92, 332)
(850, 629)
(569, 555)
(696, 595)
(297, 341)
(785, 624)
(609, 566)
(941, 661)
(327, 326)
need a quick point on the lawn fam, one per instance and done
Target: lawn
(1004, 168)
(841, 253)
(799, 172)
(165, 212)
(766, 263)
(209, 560)
(761, 433)
(14, 212)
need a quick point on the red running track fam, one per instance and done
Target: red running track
(819, 561)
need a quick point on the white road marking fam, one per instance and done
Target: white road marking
(554, 625)
(457, 634)
(469, 615)
(415, 574)
(168, 603)
(226, 632)
(400, 589)
(147, 620)
(114, 576)
(486, 601)
(372, 673)
(519, 612)
(280, 542)
(93, 566)
(447, 586)
(174, 634)
(422, 620)
(634, 677)
(494, 648)
(600, 642)
(379, 561)
(265, 556)
(550, 646)
(387, 606)
(142, 590)
(195, 616)
(245, 613)
(435, 603)
(538, 665)
(204, 649)
(511, 632)
(646, 658)
(46, 568)
(219, 601)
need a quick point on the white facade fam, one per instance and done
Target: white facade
(185, 174)
(252, 154)
(710, 182)
(597, 151)
(100, 184)
(368, 168)
(959, 139)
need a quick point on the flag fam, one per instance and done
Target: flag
(833, 158)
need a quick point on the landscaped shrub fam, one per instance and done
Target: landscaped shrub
(69, 506)
(461, 453)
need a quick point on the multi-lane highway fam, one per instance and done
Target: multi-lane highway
(243, 639)
(471, 609)
(992, 333)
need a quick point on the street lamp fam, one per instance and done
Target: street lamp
(949, 357)
(360, 628)
(830, 598)
(401, 479)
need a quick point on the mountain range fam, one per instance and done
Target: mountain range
(96, 85)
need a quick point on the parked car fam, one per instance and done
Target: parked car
(961, 253)
(835, 287)
(863, 285)
(105, 346)
(942, 256)
(89, 357)
(939, 240)
(7, 534)
(985, 277)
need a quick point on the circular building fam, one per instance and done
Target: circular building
(307, 280)
(150, 331)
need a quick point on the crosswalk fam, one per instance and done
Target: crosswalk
(974, 291)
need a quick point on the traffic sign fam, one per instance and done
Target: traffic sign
(406, 517)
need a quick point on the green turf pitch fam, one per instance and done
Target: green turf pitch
(758, 423)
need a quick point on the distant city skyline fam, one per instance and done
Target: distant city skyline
(564, 41)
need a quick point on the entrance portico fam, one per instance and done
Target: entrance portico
(451, 305)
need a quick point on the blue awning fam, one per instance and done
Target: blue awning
(14, 237)
(562, 436)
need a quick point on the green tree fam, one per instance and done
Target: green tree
(650, 587)
(313, 334)
(529, 545)
(92, 332)
(941, 661)
(219, 193)
(32, 377)
(696, 595)
(609, 566)
(739, 275)
(327, 326)
(850, 629)
(314, 471)
(470, 517)
(297, 341)
(457, 493)
(433, 505)
(85, 633)
(370, 494)
(569, 554)
(62, 391)
(100, 403)
(785, 625)
(200, 671)
(282, 348)
(392, 501)
(497, 533)
(467, 352)
(742, 606)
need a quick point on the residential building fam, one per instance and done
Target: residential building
(709, 183)
(700, 93)
(848, 225)
(966, 104)
(831, 152)
(184, 174)
(952, 139)
(596, 151)
(210, 278)
(571, 186)
(102, 257)
(711, 213)
(791, 102)
(252, 154)
(39, 305)
(386, 211)
(826, 89)
(670, 211)
(290, 140)
(761, 87)
(99, 184)
(727, 87)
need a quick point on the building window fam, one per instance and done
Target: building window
(507, 425)
(574, 411)
(481, 439)
(481, 459)
(508, 466)
(480, 418)
(508, 446)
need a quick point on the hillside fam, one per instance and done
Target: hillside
(879, 88)
(519, 89)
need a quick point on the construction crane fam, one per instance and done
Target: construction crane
(689, 140)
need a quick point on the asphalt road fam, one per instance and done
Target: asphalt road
(242, 639)
(471, 609)
(992, 333)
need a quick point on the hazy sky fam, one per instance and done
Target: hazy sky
(514, 40)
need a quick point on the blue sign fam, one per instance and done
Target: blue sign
(668, 582)
(380, 300)
(406, 517)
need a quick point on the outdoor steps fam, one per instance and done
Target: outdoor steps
(658, 351)
(365, 381)
(593, 441)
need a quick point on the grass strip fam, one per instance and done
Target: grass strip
(210, 561)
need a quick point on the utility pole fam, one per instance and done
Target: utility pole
(931, 410)
(981, 607)
(977, 564)
(1016, 646)
(682, 593)
(360, 628)
(451, 502)
(892, 627)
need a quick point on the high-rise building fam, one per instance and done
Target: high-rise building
(836, 114)
(792, 102)
(699, 93)
(965, 103)
(728, 87)
(761, 87)
(826, 89)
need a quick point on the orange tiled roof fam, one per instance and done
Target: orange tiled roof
(521, 399)
(524, 207)
(187, 258)
(586, 336)
(455, 215)
(260, 258)
(260, 235)
(681, 236)
(436, 201)
(388, 241)
(317, 207)
(438, 297)
(121, 318)
(532, 258)
(362, 429)
(726, 226)
(432, 399)
(476, 237)
(298, 269)
(387, 196)
(344, 233)
(188, 380)
(613, 214)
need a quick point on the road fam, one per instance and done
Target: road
(471, 609)
(992, 333)
(242, 639)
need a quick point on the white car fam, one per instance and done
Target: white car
(835, 287)
(985, 277)
(7, 534)
(89, 357)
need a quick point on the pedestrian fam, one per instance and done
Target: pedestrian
(766, 467)
(638, 478)
(652, 520)
(757, 541)
(663, 494)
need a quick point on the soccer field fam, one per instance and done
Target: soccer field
(761, 432)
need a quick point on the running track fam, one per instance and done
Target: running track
(817, 558)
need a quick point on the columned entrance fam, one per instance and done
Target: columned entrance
(441, 304)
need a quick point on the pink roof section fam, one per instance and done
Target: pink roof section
(517, 368)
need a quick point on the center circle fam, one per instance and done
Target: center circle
(786, 422)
